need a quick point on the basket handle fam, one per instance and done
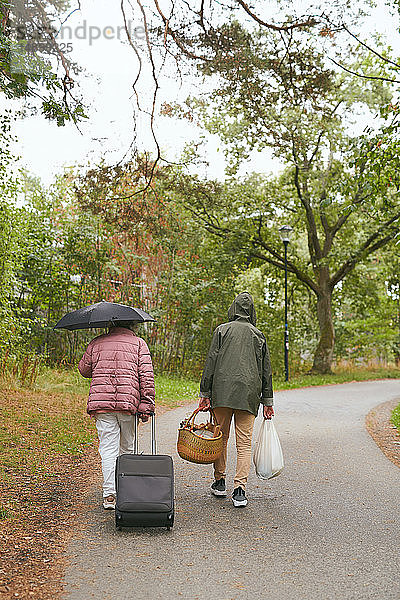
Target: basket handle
(196, 412)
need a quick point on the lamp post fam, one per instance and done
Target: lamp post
(285, 232)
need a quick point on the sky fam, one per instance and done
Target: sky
(109, 68)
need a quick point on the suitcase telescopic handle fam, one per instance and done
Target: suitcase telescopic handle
(153, 434)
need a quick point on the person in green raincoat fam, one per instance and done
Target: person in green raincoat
(237, 377)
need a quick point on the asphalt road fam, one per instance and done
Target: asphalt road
(327, 527)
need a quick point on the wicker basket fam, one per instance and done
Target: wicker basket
(193, 447)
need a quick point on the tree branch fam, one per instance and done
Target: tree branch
(367, 248)
(358, 199)
(345, 216)
(360, 75)
(169, 31)
(301, 276)
(313, 241)
(311, 21)
(370, 49)
(67, 81)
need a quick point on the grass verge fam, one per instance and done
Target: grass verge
(44, 439)
(170, 391)
(395, 418)
(40, 433)
(340, 376)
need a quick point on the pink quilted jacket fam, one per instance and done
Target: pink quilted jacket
(120, 365)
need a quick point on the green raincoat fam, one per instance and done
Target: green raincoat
(237, 373)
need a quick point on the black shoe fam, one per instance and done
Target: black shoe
(239, 497)
(218, 488)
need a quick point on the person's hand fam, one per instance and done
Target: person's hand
(204, 403)
(144, 418)
(268, 412)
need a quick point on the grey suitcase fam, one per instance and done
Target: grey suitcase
(145, 487)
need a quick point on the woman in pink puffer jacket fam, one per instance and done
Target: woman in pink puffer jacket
(120, 366)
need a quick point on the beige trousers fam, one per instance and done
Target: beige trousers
(244, 422)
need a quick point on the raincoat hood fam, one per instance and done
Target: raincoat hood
(243, 308)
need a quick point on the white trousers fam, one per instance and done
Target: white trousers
(116, 436)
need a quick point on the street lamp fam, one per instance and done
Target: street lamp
(285, 233)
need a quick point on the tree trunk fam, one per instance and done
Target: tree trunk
(324, 353)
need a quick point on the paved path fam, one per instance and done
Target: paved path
(328, 527)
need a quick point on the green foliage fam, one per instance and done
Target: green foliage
(366, 314)
(395, 419)
(28, 47)
(19, 368)
(9, 224)
(271, 94)
(58, 259)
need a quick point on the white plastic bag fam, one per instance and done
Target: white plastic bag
(267, 455)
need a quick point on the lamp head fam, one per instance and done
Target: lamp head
(285, 232)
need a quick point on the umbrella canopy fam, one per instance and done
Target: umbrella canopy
(100, 315)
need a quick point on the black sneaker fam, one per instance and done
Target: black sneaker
(239, 497)
(218, 488)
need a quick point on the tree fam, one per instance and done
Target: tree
(333, 186)
(340, 199)
(390, 266)
(61, 262)
(32, 61)
(364, 313)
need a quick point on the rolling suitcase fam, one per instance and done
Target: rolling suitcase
(145, 487)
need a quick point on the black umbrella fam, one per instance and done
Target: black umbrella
(100, 315)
